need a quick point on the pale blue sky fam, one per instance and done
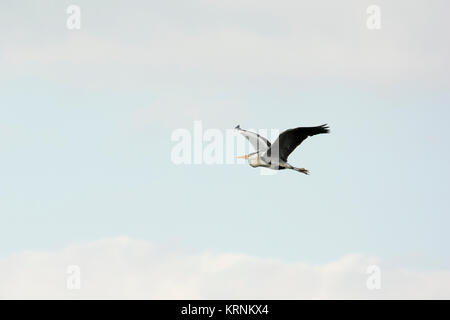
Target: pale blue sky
(86, 120)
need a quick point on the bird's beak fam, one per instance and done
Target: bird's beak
(243, 157)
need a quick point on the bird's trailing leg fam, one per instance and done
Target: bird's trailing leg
(302, 170)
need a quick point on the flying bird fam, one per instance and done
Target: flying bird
(275, 156)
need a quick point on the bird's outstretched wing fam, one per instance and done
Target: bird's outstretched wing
(258, 142)
(290, 139)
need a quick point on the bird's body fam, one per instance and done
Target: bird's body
(255, 160)
(274, 156)
(259, 160)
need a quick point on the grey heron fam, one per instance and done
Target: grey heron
(274, 156)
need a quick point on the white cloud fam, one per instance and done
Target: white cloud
(207, 51)
(231, 41)
(127, 268)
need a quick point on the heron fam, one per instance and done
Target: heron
(275, 156)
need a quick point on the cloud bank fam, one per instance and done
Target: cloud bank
(206, 40)
(124, 268)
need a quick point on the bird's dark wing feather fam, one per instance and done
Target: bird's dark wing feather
(290, 139)
(258, 142)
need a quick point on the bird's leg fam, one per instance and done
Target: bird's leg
(302, 170)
